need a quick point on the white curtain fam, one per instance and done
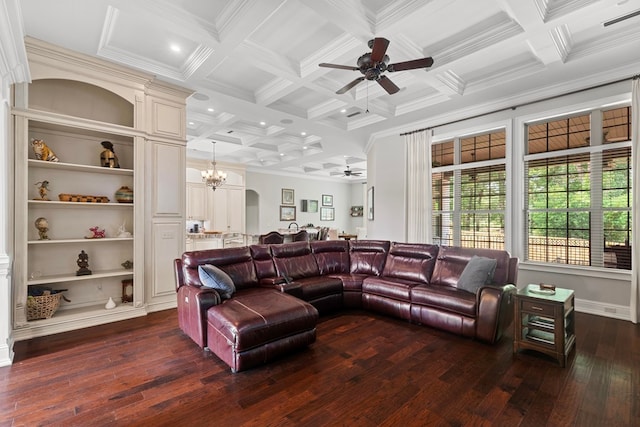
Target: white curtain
(418, 186)
(635, 140)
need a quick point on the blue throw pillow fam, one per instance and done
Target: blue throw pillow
(477, 273)
(212, 277)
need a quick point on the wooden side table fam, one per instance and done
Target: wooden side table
(545, 322)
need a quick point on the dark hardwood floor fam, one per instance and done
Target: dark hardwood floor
(364, 370)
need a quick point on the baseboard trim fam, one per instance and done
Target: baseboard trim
(160, 306)
(6, 354)
(622, 312)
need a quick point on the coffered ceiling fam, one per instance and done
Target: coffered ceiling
(253, 64)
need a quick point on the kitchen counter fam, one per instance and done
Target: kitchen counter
(204, 236)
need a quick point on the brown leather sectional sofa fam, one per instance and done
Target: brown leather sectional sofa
(281, 289)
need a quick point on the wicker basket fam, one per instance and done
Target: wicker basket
(43, 306)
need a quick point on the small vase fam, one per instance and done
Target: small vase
(124, 195)
(110, 304)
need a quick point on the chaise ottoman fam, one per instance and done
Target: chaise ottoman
(258, 325)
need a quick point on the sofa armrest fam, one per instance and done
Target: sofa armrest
(193, 303)
(495, 311)
(291, 288)
(271, 281)
(178, 274)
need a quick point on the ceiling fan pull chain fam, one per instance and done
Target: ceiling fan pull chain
(367, 110)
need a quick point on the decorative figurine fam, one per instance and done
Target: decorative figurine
(108, 158)
(43, 189)
(83, 263)
(43, 226)
(127, 290)
(110, 304)
(97, 233)
(127, 264)
(122, 231)
(42, 151)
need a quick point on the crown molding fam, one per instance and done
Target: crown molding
(14, 66)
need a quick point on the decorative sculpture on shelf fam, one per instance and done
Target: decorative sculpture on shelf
(108, 158)
(43, 226)
(97, 233)
(83, 263)
(127, 265)
(122, 232)
(43, 189)
(42, 151)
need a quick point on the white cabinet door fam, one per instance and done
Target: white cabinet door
(196, 201)
(227, 210)
(235, 210)
(218, 213)
(204, 244)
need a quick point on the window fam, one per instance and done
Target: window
(578, 192)
(469, 191)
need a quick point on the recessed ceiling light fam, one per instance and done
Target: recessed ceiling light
(263, 123)
(282, 154)
(174, 47)
(191, 123)
(303, 133)
(344, 110)
(210, 109)
(304, 148)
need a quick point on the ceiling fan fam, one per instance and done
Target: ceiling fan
(349, 172)
(373, 64)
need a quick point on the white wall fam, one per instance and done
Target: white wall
(269, 189)
(386, 173)
(598, 291)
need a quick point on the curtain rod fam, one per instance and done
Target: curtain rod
(637, 76)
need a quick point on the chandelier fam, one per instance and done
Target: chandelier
(213, 177)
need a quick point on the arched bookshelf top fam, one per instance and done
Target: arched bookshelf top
(80, 99)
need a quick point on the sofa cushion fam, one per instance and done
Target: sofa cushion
(445, 298)
(351, 282)
(294, 260)
(411, 261)
(212, 277)
(368, 256)
(263, 261)
(452, 261)
(477, 273)
(255, 317)
(397, 289)
(332, 256)
(236, 262)
(319, 286)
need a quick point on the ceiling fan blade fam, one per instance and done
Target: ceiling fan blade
(349, 86)
(388, 85)
(410, 65)
(340, 67)
(379, 49)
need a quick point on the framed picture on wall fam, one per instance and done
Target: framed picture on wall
(370, 204)
(309, 206)
(288, 196)
(287, 213)
(327, 214)
(327, 200)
